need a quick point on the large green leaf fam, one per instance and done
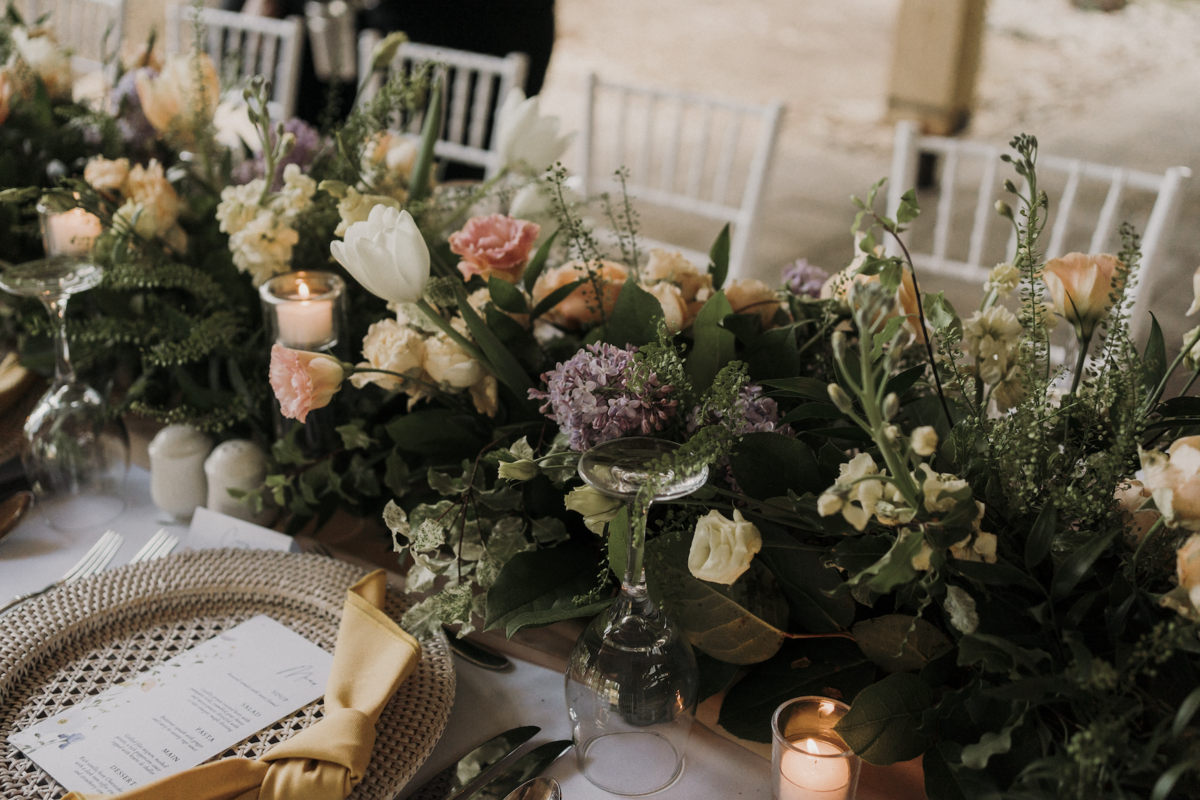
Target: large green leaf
(831, 667)
(538, 262)
(714, 345)
(1154, 361)
(635, 317)
(769, 464)
(1077, 565)
(718, 256)
(808, 388)
(435, 432)
(900, 643)
(507, 296)
(881, 725)
(895, 568)
(1041, 536)
(507, 369)
(418, 184)
(806, 584)
(538, 587)
(738, 624)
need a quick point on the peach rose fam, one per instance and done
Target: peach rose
(1173, 479)
(1129, 499)
(1187, 568)
(107, 176)
(752, 296)
(173, 100)
(695, 286)
(148, 186)
(303, 381)
(675, 309)
(494, 245)
(1080, 287)
(581, 307)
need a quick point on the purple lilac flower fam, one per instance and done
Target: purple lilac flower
(752, 413)
(135, 129)
(802, 278)
(590, 398)
(308, 143)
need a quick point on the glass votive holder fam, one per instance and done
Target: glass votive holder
(68, 233)
(304, 310)
(809, 760)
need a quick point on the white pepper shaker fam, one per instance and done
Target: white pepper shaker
(177, 480)
(237, 464)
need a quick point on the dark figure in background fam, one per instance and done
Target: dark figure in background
(494, 27)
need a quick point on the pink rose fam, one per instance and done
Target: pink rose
(495, 245)
(303, 381)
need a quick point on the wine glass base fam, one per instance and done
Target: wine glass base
(80, 512)
(630, 763)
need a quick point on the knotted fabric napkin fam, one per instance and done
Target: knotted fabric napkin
(325, 761)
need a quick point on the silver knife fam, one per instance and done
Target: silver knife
(450, 783)
(527, 766)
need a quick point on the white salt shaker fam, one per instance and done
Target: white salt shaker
(177, 482)
(237, 464)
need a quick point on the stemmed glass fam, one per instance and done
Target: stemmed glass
(75, 457)
(632, 680)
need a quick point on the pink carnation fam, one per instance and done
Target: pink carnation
(303, 381)
(495, 245)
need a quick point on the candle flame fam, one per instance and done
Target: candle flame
(811, 747)
(303, 289)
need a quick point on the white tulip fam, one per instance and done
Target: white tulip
(525, 136)
(386, 254)
(723, 548)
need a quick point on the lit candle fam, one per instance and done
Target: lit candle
(805, 776)
(71, 233)
(305, 324)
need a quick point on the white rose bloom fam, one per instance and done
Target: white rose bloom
(263, 247)
(137, 218)
(722, 549)
(387, 255)
(239, 205)
(449, 366)
(525, 137)
(394, 347)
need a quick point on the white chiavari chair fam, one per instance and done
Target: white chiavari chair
(476, 85)
(92, 28)
(684, 152)
(242, 46)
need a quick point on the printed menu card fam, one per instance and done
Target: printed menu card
(177, 715)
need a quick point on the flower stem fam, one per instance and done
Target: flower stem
(1084, 343)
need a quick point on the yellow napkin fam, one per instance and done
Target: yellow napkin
(327, 760)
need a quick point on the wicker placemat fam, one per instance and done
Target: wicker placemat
(59, 649)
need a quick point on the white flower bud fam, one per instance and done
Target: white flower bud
(924, 441)
(838, 342)
(840, 399)
(522, 470)
(891, 406)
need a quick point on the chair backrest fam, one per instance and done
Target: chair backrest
(683, 151)
(1075, 188)
(475, 86)
(92, 28)
(242, 46)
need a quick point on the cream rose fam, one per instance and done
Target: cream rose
(449, 366)
(1130, 498)
(148, 186)
(107, 176)
(723, 548)
(1173, 479)
(1187, 568)
(752, 296)
(390, 346)
(1081, 286)
(672, 267)
(675, 309)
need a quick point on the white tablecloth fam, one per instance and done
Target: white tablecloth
(486, 703)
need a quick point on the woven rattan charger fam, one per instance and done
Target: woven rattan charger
(77, 641)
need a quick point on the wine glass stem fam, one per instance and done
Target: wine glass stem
(633, 587)
(56, 307)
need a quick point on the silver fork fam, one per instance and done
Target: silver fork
(93, 561)
(160, 544)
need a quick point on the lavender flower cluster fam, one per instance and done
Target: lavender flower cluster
(802, 278)
(591, 399)
(751, 413)
(308, 143)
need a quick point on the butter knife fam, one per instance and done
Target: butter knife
(450, 783)
(527, 766)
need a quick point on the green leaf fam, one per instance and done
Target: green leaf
(908, 210)
(714, 346)
(902, 382)
(718, 257)
(998, 574)
(1077, 565)
(538, 262)
(556, 297)
(1187, 710)
(895, 568)
(881, 725)
(738, 624)
(507, 296)
(1154, 362)
(508, 370)
(940, 783)
(976, 756)
(1041, 536)
(418, 182)
(811, 667)
(939, 312)
(353, 435)
(435, 432)
(900, 643)
(807, 585)
(812, 411)
(998, 654)
(635, 317)
(395, 476)
(768, 464)
(538, 587)
(808, 388)
(286, 451)
(885, 336)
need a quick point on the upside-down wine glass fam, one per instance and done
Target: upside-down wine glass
(632, 680)
(75, 456)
